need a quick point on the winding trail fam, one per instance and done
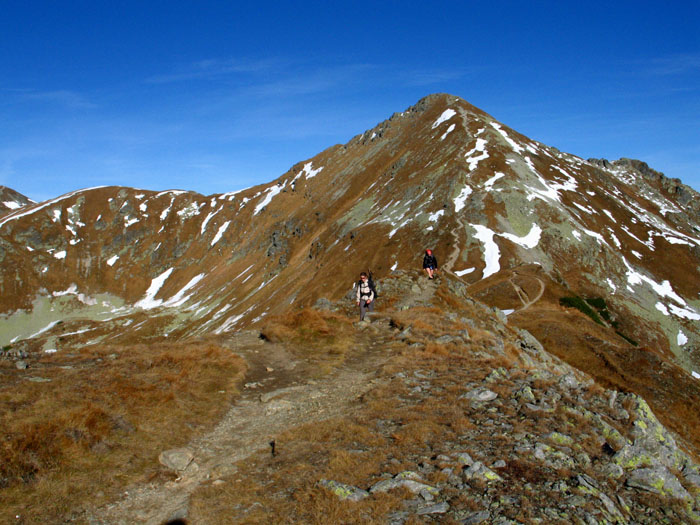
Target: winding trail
(523, 295)
(256, 418)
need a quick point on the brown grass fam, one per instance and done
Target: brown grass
(320, 336)
(104, 421)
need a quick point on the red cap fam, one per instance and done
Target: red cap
(429, 252)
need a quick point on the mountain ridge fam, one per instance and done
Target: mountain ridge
(597, 263)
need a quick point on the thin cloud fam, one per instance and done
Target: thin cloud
(69, 99)
(306, 82)
(214, 67)
(674, 65)
(428, 78)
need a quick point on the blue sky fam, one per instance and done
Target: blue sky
(217, 96)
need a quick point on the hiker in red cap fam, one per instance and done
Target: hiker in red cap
(430, 263)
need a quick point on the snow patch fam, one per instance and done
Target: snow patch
(685, 313)
(221, 231)
(149, 300)
(517, 148)
(530, 240)
(449, 130)
(682, 338)
(60, 255)
(460, 273)
(474, 160)
(271, 192)
(446, 115)
(435, 216)
(611, 285)
(179, 298)
(12, 205)
(488, 185)
(461, 199)
(112, 260)
(492, 253)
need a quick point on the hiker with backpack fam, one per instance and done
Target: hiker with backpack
(430, 263)
(365, 294)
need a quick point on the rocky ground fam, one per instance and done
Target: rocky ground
(443, 413)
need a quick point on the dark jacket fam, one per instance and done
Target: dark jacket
(429, 261)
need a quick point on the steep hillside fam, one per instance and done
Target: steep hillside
(599, 261)
(12, 200)
(441, 174)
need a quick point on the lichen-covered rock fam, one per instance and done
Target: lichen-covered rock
(343, 491)
(659, 481)
(480, 471)
(407, 481)
(525, 394)
(560, 439)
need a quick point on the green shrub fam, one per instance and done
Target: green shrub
(581, 305)
(630, 341)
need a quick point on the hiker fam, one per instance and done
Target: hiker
(365, 295)
(430, 263)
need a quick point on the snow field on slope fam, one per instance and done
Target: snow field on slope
(220, 233)
(17, 215)
(149, 300)
(449, 130)
(461, 199)
(446, 115)
(492, 253)
(473, 159)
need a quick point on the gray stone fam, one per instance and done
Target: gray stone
(481, 471)
(525, 395)
(480, 394)
(658, 480)
(445, 339)
(464, 458)
(569, 381)
(476, 518)
(176, 459)
(404, 479)
(439, 508)
(343, 491)
(21, 365)
(496, 375)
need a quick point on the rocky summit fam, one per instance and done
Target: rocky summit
(562, 332)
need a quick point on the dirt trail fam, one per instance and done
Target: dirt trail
(279, 394)
(523, 295)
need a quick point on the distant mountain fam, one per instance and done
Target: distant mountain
(599, 260)
(542, 235)
(12, 200)
(442, 174)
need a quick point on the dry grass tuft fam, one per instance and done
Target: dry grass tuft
(103, 420)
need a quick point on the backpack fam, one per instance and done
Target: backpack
(372, 286)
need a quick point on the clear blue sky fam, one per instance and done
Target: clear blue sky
(217, 96)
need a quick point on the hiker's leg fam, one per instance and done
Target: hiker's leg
(370, 306)
(362, 310)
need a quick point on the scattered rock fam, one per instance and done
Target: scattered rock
(476, 518)
(659, 481)
(177, 459)
(343, 491)
(439, 508)
(480, 394)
